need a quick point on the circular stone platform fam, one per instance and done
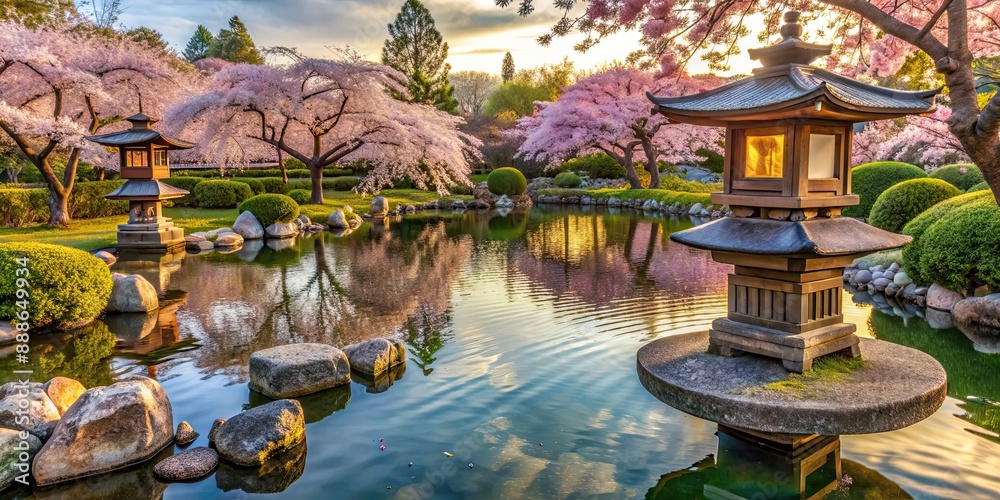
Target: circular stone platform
(896, 388)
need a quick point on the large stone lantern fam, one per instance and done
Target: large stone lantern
(787, 177)
(144, 161)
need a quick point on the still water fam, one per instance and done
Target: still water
(522, 332)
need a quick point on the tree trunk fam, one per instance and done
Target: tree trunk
(317, 184)
(281, 167)
(633, 178)
(100, 174)
(651, 166)
(58, 208)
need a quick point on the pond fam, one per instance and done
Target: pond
(522, 332)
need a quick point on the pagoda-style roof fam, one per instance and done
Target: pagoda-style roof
(146, 190)
(141, 134)
(788, 87)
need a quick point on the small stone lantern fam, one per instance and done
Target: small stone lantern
(787, 178)
(144, 161)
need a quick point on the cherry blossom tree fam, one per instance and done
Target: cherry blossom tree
(58, 86)
(916, 139)
(322, 112)
(871, 36)
(609, 112)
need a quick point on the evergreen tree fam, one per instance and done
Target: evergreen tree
(199, 44)
(235, 45)
(415, 48)
(507, 71)
(149, 36)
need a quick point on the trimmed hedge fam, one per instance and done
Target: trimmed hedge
(271, 208)
(68, 286)
(597, 166)
(257, 173)
(567, 180)
(962, 176)
(982, 186)
(188, 184)
(301, 196)
(962, 250)
(872, 179)
(506, 181)
(255, 185)
(19, 207)
(88, 202)
(221, 194)
(919, 225)
(903, 202)
(274, 185)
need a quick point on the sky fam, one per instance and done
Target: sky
(477, 31)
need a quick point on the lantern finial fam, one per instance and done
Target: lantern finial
(791, 28)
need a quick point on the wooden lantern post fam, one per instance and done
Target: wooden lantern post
(787, 178)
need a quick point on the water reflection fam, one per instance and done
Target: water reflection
(316, 406)
(275, 476)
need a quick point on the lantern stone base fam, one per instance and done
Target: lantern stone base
(158, 237)
(796, 351)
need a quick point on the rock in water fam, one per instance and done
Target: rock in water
(375, 356)
(28, 400)
(107, 428)
(980, 316)
(107, 257)
(379, 207)
(504, 202)
(63, 392)
(229, 240)
(941, 298)
(294, 370)
(185, 434)
(215, 428)
(248, 227)
(191, 464)
(252, 437)
(11, 448)
(338, 220)
(281, 231)
(131, 293)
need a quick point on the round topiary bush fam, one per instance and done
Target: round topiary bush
(982, 186)
(901, 203)
(255, 184)
(67, 287)
(274, 185)
(962, 176)
(567, 180)
(872, 179)
(221, 194)
(507, 180)
(961, 250)
(913, 252)
(271, 208)
(301, 196)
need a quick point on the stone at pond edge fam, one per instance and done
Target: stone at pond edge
(215, 428)
(252, 437)
(63, 392)
(131, 293)
(295, 370)
(106, 257)
(979, 316)
(338, 220)
(248, 227)
(478, 205)
(376, 355)
(39, 409)
(185, 434)
(379, 207)
(275, 476)
(10, 450)
(941, 298)
(107, 428)
(191, 464)
(200, 246)
(281, 231)
(229, 240)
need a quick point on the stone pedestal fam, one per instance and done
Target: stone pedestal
(154, 237)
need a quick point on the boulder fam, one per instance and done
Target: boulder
(131, 293)
(185, 434)
(200, 246)
(614, 202)
(458, 205)
(107, 428)
(891, 289)
(478, 205)
(248, 227)
(63, 392)
(276, 476)
(901, 278)
(191, 464)
(696, 209)
(27, 400)
(504, 202)
(195, 237)
(252, 437)
(938, 320)
(895, 267)
(909, 292)
(305, 220)
(375, 356)
(315, 228)
(281, 231)
(941, 298)
(411, 209)
(229, 240)
(863, 277)
(15, 446)
(107, 257)
(881, 283)
(294, 370)
(379, 207)
(979, 315)
(338, 220)
(215, 428)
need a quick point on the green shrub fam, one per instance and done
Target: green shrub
(675, 183)
(900, 204)
(299, 184)
(341, 183)
(88, 202)
(714, 162)
(221, 194)
(962, 176)
(507, 180)
(271, 208)
(982, 186)
(913, 252)
(187, 184)
(67, 286)
(294, 164)
(299, 174)
(19, 207)
(567, 180)
(336, 172)
(301, 196)
(274, 185)
(256, 186)
(872, 179)
(961, 250)
(597, 166)
(200, 173)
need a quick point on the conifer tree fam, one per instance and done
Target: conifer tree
(507, 71)
(415, 48)
(199, 44)
(235, 45)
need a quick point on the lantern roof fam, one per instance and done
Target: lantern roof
(787, 86)
(140, 134)
(146, 190)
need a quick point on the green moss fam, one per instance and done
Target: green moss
(963, 176)
(901, 203)
(825, 370)
(872, 179)
(962, 250)
(507, 181)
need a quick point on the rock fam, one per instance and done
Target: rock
(107, 257)
(614, 202)
(979, 316)
(251, 437)
(478, 205)
(294, 370)
(131, 293)
(281, 231)
(881, 283)
(909, 292)
(63, 392)
(921, 301)
(941, 298)
(248, 227)
(107, 428)
(305, 220)
(891, 289)
(279, 473)
(922, 291)
(850, 273)
(229, 240)
(200, 246)
(650, 205)
(337, 220)
(458, 205)
(889, 274)
(315, 228)
(191, 464)
(938, 320)
(863, 277)
(27, 400)
(375, 356)
(877, 275)
(194, 237)
(411, 209)
(216, 232)
(12, 445)
(185, 434)
(504, 202)
(895, 267)
(696, 209)
(215, 428)
(902, 279)
(379, 207)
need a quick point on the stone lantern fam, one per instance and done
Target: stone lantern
(787, 178)
(144, 161)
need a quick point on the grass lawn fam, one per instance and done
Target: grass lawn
(94, 234)
(479, 178)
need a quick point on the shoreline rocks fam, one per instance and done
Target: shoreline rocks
(185, 434)
(190, 464)
(248, 227)
(252, 437)
(295, 370)
(131, 294)
(11, 448)
(376, 355)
